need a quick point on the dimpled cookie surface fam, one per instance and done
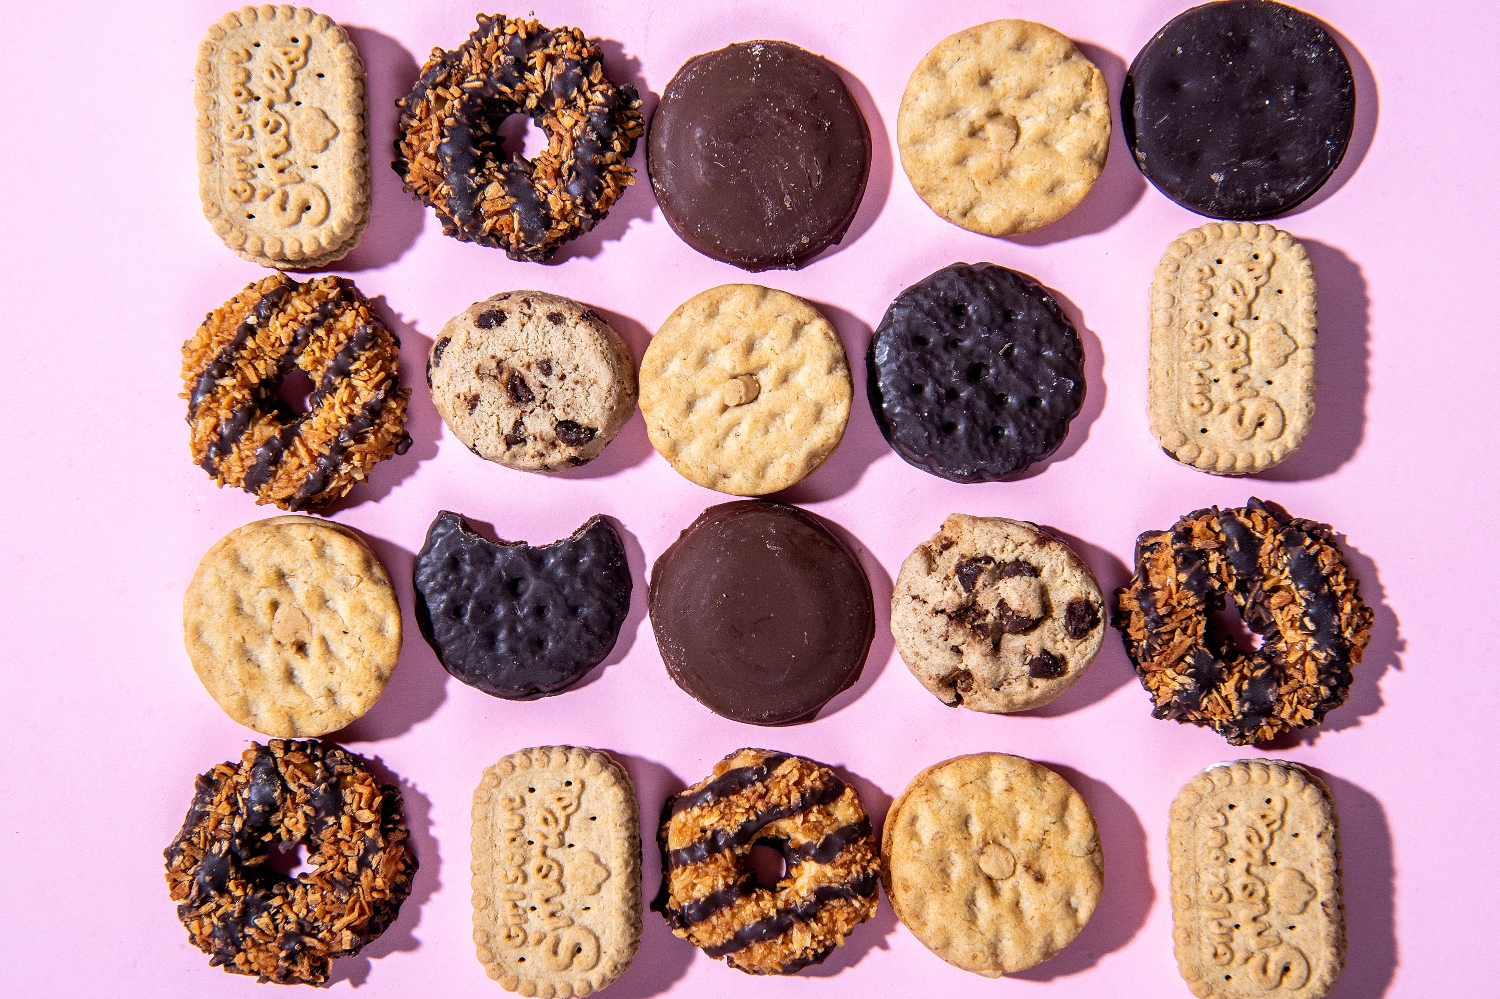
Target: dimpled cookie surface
(996, 614)
(992, 861)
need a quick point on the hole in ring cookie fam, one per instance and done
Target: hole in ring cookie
(767, 864)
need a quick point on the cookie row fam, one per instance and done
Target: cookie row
(1003, 128)
(992, 861)
(763, 614)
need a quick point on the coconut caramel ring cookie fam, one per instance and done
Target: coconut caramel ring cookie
(709, 893)
(243, 434)
(451, 156)
(745, 389)
(252, 920)
(1289, 582)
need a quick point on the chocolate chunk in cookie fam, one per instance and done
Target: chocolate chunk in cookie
(515, 621)
(1240, 109)
(532, 381)
(996, 615)
(975, 373)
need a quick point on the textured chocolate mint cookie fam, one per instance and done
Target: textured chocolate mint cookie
(515, 621)
(759, 155)
(975, 373)
(1240, 109)
(761, 613)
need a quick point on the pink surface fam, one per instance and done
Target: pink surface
(109, 265)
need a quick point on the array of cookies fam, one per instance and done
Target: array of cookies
(759, 610)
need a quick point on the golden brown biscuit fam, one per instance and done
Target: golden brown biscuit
(745, 389)
(1004, 127)
(556, 871)
(292, 625)
(992, 861)
(996, 615)
(283, 165)
(1234, 329)
(1257, 908)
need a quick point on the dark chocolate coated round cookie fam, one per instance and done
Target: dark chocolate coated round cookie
(1239, 109)
(975, 373)
(515, 621)
(761, 613)
(759, 155)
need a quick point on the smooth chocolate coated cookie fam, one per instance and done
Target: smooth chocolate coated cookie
(515, 621)
(761, 612)
(759, 155)
(975, 373)
(1239, 109)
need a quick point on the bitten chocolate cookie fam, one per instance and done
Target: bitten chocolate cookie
(1257, 905)
(283, 164)
(532, 381)
(996, 615)
(975, 373)
(1239, 109)
(1290, 585)
(992, 861)
(515, 621)
(1234, 331)
(244, 434)
(451, 155)
(252, 920)
(745, 389)
(761, 613)
(1004, 127)
(759, 155)
(292, 625)
(710, 895)
(556, 871)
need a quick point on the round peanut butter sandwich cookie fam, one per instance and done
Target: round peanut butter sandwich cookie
(975, 373)
(761, 613)
(556, 864)
(1004, 127)
(759, 155)
(992, 861)
(1239, 109)
(746, 389)
(292, 625)
(532, 381)
(996, 615)
(283, 161)
(712, 896)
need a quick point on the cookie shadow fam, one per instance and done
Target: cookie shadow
(637, 203)
(631, 445)
(1120, 184)
(416, 808)
(1382, 654)
(1343, 369)
(1111, 668)
(1366, 118)
(663, 958)
(863, 442)
(875, 932)
(635, 617)
(1369, 887)
(418, 686)
(878, 186)
(883, 647)
(1127, 897)
(1094, 393)
(396, 218)
(422, 421)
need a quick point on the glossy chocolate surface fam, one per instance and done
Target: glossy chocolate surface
(761, 613)
(759, 155)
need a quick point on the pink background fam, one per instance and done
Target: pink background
(108, 266)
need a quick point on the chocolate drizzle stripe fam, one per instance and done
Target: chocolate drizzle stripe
(783, 920)
(328, 462)
(827, 849)
(727, 783)
(264, 308)
(727, 839)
